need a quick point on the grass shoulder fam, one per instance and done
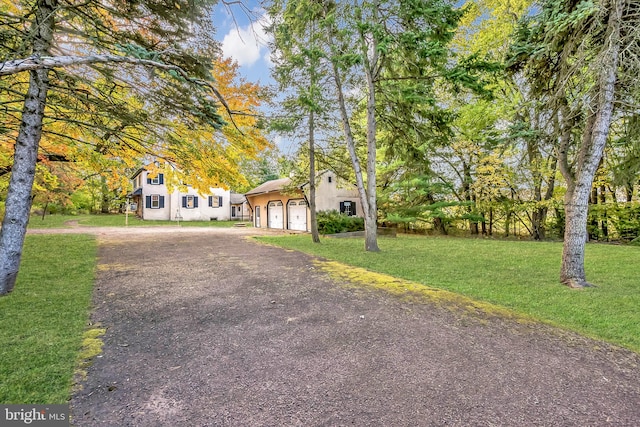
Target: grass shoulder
(44, 319)
(117, 220)
(519, 275)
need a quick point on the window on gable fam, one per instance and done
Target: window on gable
(158, 180)
(329, 179)
(189, 202)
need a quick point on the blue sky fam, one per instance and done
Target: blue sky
(240, 29)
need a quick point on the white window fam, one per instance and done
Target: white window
(154, 201)
(158, 180)
(215, 201)
(189, 202)
(348, 208)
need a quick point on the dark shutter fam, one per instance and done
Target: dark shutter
(195, 201)
(341, 207)
(353, 208)
(210, 201)
(147, 202)
(148, 180)
(161, 178)
(184, 201)
(220, 201)
(161, 202)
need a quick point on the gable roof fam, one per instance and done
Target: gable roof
(138, 172)
(237, 199)
(269, 186)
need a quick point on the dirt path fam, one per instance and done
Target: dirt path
(211, 329)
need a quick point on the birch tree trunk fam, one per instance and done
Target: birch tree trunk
(18, 202)
(594, 139)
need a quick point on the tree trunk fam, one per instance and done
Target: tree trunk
(594, 139)
(592, 222)
(105, 197)
(18, 202)
(539, 219)
(491, 221)
(371, 216)
(370, 54)
(350, 142)
(468, 195)
(604, 220)
(507, 223)
(315, 236)
(44, 210)
(628, 191)
(533, 153)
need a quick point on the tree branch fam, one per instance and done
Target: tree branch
(36, 63)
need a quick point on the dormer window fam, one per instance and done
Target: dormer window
(158, 180)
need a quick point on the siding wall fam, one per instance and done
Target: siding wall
(172, 202)
(263, 200)
(330, 194)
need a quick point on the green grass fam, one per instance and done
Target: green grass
(43, 320)
(522, 276)
(119, 220)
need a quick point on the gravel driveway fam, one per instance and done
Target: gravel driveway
(208, 328)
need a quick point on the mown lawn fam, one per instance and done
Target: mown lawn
(117, 220)
(43, 320)
(522, 276)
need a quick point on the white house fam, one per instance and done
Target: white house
(239, 207)
(153, 201)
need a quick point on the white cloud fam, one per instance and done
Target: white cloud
(247, 44)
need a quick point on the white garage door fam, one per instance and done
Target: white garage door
(276, 215)
(297, 215)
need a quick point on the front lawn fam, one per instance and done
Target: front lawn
(117, 220)
(43, 320)
(522, 276)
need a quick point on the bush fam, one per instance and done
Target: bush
(332, 222)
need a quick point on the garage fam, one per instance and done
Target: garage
(297, 215)
(276, 215)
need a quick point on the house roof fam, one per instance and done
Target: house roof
(237, 199)
(138, 172)
(269, 186)
(137, 192)
(318, 175)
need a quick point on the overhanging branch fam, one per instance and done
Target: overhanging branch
(39, 62)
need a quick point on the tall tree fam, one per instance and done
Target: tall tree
(574, 53)
(396, 55)
(298, 70)
(86, 61)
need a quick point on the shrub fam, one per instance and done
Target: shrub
(332, 222)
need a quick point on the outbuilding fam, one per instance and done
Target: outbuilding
(279, 204)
